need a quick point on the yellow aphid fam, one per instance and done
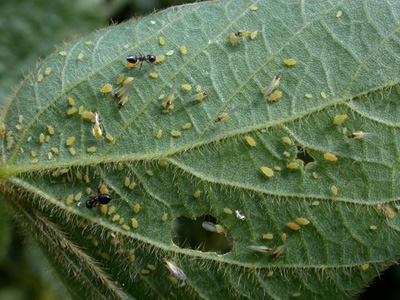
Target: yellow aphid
(330, 156)
(47, 138)
(111, 210)
(287, 154)
(287, 140)
(267, 171)
(283, 236)
(135, 223)
(197, 194)
(183, 50)
(323, 95)
(80, 110)
(86, 178)
(40, 78)
(308, 96)
(161, 41)
(47, 71)
(62, 53)
(268, 236)
(302, 221)
(2, 130)
(88, 115)
(160, 58)
(120, 167)
(360, 135)
(315, 175)
(379, 206)
(107, 88)
(253, 8)
(228, 211)
(80, 56)
(339, 119)
(18, 127)
(91, 149)
(270, 274)
(198, 88)
(277, 168)
(126, 227)
(253, 35)
(149, 172)
(164, 217)
(250, 141)
(103, 209)
(132, 258)
(373, 227)
(233, 39)
(10, 142)
(334, 190)
(70, 199)
(132, 185)
(187, 87)
(296, 295)
(34, 161)
(199, 96)
(389, 212)
(159, 134)
(41, 138)
(55, 150)
(50, 129)
(78, 196)
(121, 221)
(339, 14)
(109, 137)
(136, 208)
(163, 163)
(72, 151)
(70, 141)
(187, 126)
(126, 46)
(106, 256)
(151, 267)
(176, 133)
(9, 133)
(154, 75)
(225, 116)
(115, 218)
(88, 43)
(344, 130)
(275, 96)
(120, 79)
(290, 62)
(365, 267)
(169, 53)
(293, 166)
(272, 85)
(293, 226)
(33, 153)
(127, 181)
(71, 111)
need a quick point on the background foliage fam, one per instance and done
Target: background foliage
(33, 28)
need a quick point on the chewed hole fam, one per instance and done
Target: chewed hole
(303, 154)
(204, 233)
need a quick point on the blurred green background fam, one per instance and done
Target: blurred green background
(30, 30)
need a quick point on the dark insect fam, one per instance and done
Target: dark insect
(101, 198)
(133, 59)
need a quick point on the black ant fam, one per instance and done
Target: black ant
(101, 198)
(133, 59)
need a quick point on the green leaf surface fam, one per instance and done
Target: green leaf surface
(346, 50)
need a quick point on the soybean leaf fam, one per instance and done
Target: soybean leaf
(347, 55)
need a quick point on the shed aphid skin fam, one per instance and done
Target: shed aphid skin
(171, 98)
(97, 132)
(361, 135)
(261, 249)
(102, 197)
(199, 96)
(239, 215)
(209, 226)
(178, 273)
(123, 92)
(272, 85)
(225, 116)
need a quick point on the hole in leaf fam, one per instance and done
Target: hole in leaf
(204, 233)
(303, 154)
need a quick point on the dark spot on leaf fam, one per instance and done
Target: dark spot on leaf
(189, 233)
